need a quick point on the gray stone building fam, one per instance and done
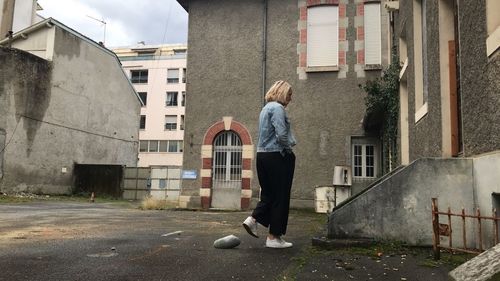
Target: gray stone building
(449, 129)
(64, 100)
(449, 90)
(237, 49)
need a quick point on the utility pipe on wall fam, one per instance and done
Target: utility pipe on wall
(264, 51)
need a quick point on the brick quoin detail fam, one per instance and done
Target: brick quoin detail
(247, 164)
(361, 33)
(208, 139)
(361, 57)
(302, 59)
(342, 10)
(207, 163)
(205, 202)
(342, 60)
(303, 13)
(212, 132)
(360, 9)
(245, 203)
(311, 3)
(342, 34)
(206, 182)
(245, 183)
(303, 36)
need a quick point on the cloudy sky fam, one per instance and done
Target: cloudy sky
(127, 21)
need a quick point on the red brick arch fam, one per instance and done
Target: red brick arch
(206, 161)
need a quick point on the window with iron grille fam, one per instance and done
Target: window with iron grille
(227, 160)
(139, 76)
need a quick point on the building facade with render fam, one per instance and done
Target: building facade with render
(158, 73)
(65, 103)
(237, 49)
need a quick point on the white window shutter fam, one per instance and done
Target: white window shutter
(373, 34)
(322, 36)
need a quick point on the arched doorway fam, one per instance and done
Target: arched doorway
(227, 171)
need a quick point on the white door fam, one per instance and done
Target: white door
(226, 173)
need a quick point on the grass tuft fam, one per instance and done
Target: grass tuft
(150, 203)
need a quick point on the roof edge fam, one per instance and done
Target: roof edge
(184, 4)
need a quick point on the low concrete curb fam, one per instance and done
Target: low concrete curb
(329, 244)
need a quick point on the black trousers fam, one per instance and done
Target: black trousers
(275, 173)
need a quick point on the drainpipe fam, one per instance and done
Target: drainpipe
(264, 51)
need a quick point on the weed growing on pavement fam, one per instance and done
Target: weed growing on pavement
(451, 259)
(150, 203)
(298, 263)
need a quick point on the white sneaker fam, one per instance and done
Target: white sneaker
(278, 243)
(250, 226)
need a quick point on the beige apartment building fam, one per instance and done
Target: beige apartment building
(158, 73)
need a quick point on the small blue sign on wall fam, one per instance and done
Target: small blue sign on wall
(189, 174)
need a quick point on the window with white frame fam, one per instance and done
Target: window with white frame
(322, 36)
(170, 122)
(373, 34)
(171, 99)
(143, 146)
(172, 76)
(153, 146)
(364, 160)
(172, 146)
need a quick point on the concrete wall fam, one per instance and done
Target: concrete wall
(399, 208)
(6, 16)
(486, 183)
(79, 108)
(225, 79)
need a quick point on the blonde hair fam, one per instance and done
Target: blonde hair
(278, 92)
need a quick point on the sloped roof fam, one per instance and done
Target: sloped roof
(48, 23)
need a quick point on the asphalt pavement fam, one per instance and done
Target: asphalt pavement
(105, 241)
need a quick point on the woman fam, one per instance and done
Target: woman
(275, 167)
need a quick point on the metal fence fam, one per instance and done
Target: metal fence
(159, 182)
(446, 230)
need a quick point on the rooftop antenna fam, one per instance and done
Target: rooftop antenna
(103, 23)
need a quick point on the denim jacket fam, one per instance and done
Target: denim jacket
(275, 134)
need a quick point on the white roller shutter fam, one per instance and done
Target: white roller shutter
(322, 36)
(373, 40)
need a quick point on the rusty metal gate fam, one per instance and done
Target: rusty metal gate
(226, 171)
(445, 230)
